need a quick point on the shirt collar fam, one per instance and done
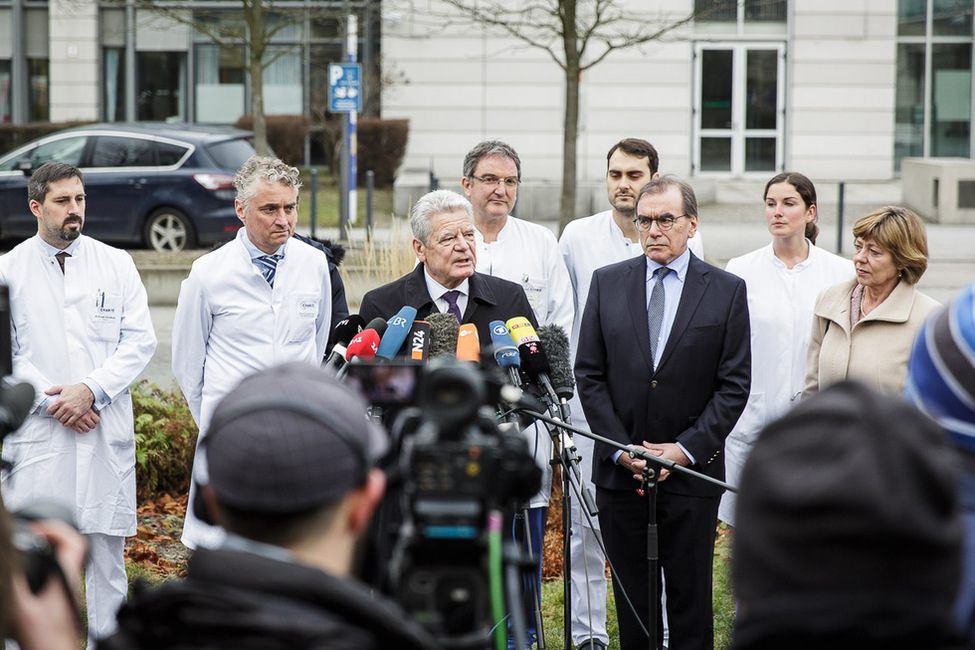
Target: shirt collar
(677, 266)
(51, 251)
(437, 290)
(256, 252)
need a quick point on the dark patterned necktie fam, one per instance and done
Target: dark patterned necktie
(60, 257)
(655, 310)
(452, 308)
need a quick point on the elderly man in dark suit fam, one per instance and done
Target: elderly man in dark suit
(663, 364)
(445, 281)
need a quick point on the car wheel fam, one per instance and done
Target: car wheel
(168, 229)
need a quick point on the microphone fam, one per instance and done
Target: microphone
(533, 358)
(505, 352)
(468, 343)
(344, 331)
(398, 327)
(555, 343)
(418, 341)
(15, 405)
(443, 335)
(363, 345)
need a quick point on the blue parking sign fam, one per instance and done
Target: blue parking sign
(344, 88)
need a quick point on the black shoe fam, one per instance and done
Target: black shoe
(591, 644)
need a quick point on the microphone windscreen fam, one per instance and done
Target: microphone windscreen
(363, 345)
(379, 325)
(521, 330)
(505, 352)
(418, 341)
(533, 359)
(443, 335)
(346, 328)
(398, 327)
(468, 343)
(555, 343)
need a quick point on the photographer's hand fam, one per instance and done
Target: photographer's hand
(50, 619)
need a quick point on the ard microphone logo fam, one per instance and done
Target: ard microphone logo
(500, 330)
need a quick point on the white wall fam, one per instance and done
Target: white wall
(73, 55)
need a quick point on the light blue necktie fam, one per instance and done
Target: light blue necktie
(655, 311)
(268, 265)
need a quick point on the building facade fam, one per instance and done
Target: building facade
(837, 89)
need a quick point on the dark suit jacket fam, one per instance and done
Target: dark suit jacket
(489, 299)
(698, 390)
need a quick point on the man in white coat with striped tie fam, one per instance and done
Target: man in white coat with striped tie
(262, 299)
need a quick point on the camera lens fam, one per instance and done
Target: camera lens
(450, 394)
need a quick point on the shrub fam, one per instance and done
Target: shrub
(285, 135)
(14, 135)
(165, 440)
(382, 145)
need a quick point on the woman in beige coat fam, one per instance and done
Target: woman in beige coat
(863, 329)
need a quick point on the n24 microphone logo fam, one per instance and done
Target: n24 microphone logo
(418, 344)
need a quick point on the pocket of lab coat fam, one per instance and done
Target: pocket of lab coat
(304, 313)
(105, 321)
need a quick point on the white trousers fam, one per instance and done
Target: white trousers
(106, 584)
(588, 570)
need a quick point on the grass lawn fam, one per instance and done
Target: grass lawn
(723, 603)
(328, 202)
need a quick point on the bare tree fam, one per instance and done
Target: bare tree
(577, 35)
(260, 22)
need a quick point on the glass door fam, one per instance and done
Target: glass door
(738, 108)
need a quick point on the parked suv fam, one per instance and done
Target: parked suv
(167, 186)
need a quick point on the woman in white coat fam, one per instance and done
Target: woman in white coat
(783, 279)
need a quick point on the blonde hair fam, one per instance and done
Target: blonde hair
(901, 232)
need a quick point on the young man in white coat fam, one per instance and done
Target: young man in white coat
(81, 335)
(260, 300)
(588, 244)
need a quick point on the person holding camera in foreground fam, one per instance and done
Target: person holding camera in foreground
(292, 482)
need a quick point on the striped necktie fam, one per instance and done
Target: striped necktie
(268, 265)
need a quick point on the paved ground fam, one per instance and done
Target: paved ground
(727, 229)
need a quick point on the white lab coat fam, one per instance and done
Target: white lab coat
(230, 323)
(92, 322)
(527, 254)
(780, 310)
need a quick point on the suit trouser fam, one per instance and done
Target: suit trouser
(588, 589)
(686, 528)
(106, 584)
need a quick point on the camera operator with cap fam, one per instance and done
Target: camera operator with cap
(292, 481)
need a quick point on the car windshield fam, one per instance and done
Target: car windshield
(231, 154)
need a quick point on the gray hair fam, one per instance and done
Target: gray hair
(489, 148)
(434, 203)
(664, 183)
(266, 168)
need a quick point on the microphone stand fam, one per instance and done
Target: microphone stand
(649, 483)
(568, 460)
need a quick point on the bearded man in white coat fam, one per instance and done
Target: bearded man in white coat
(81, 335)
(260, 300)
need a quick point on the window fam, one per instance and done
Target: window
(736, 11)
(933, 110)
(114, 73)
(119, 151)
(162, 86)
(168, 154)
(66, 150)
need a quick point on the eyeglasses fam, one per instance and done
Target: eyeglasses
(666, 222)
(510, 183)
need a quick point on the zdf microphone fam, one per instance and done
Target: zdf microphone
(468, 343)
